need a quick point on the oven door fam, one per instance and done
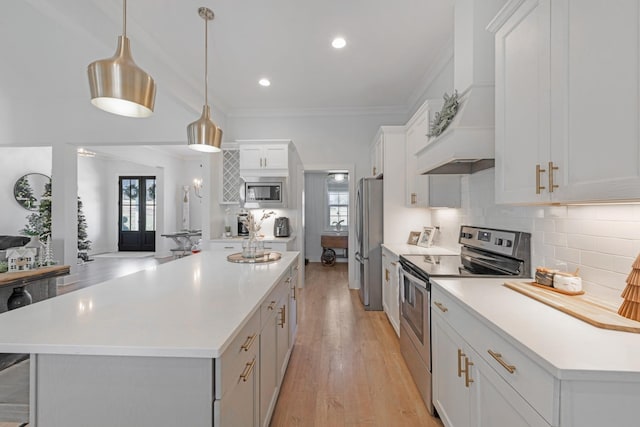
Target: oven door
(415, 303)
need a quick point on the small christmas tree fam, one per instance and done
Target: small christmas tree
(630, 307)
(39, 224)
(84, 244)
(24, 193)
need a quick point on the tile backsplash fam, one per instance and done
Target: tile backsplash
(602, 241)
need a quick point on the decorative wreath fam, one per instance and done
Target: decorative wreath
(443, 118)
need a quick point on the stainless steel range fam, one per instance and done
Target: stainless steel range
(485, 252)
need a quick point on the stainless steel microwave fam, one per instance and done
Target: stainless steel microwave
(263, 192)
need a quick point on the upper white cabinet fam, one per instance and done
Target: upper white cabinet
(230, 174)
(377, 154)
(427, 190)
(567, 101)
(264, 158)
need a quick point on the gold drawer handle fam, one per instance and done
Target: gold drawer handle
(247, 344)
(460, 356)
(283, 314)
(510, 368)
(441, 306)
(247, 370)
(467, 379)
(294, 293)
(552, 168)
(539, 187)
(288, 280)
(272, 305)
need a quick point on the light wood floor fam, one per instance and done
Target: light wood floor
(346, 368)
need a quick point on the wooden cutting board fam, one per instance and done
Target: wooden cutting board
(584, 307)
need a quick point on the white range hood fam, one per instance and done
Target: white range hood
(468, 143)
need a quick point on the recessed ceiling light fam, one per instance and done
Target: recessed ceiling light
(264, 82)
(339, 43)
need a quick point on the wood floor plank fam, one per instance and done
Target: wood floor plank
(346, 368)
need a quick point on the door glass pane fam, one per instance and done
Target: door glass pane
(150, 205)
(129, 207)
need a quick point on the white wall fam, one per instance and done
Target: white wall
(327, 139)
(602, 241)
(14, 163)
(93, 187)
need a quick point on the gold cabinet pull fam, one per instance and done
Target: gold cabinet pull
(283, 315)
(294, 293)
(467, 379)
(551, 184)
(414, 198)
(510, 368)
(272, 305)
(386, 274)
(460, 356)
(260, 161)
(374, 171)
(247, 370)
(247, 344)
(539, 171)
(288, 279)
(440, 306)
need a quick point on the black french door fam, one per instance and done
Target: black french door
(137, 213)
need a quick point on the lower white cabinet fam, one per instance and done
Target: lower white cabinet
(275, 345)
(475, 385)
(231, 246)
(390, 288)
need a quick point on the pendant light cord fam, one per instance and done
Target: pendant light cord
(206, 62)
(124, 18)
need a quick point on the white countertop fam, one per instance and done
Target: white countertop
(407, 249)
(565, 346)
(190, 307)
(270, 239)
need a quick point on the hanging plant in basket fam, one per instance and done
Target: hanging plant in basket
(442, 119)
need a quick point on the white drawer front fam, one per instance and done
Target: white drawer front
(235, 358)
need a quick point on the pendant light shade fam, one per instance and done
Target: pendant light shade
(203, 134)
(118, 85)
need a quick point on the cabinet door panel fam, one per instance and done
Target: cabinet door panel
(251, 157)
(268, 381)
(450, 396)
(275, 157)
(595, 84)
(495, 403)
(239, 406)
(522, 102)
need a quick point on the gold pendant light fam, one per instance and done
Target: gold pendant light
(118, 85)
(203, 134)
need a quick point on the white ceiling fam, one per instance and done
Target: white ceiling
(391, 45)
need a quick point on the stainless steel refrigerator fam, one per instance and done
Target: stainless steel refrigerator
(368, 241)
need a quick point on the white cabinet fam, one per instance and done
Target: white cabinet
(274, 346)
(264, 158)
(237, 374)
(567, 101)
(293, 303)
(481, 380)
(390, 288)
(376, 154)
(230, 174)
(232, 246)
(427, 190)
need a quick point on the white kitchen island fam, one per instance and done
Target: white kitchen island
(185, 343)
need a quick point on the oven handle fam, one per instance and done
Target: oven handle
(414, 279)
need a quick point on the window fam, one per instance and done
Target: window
(338, 200)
